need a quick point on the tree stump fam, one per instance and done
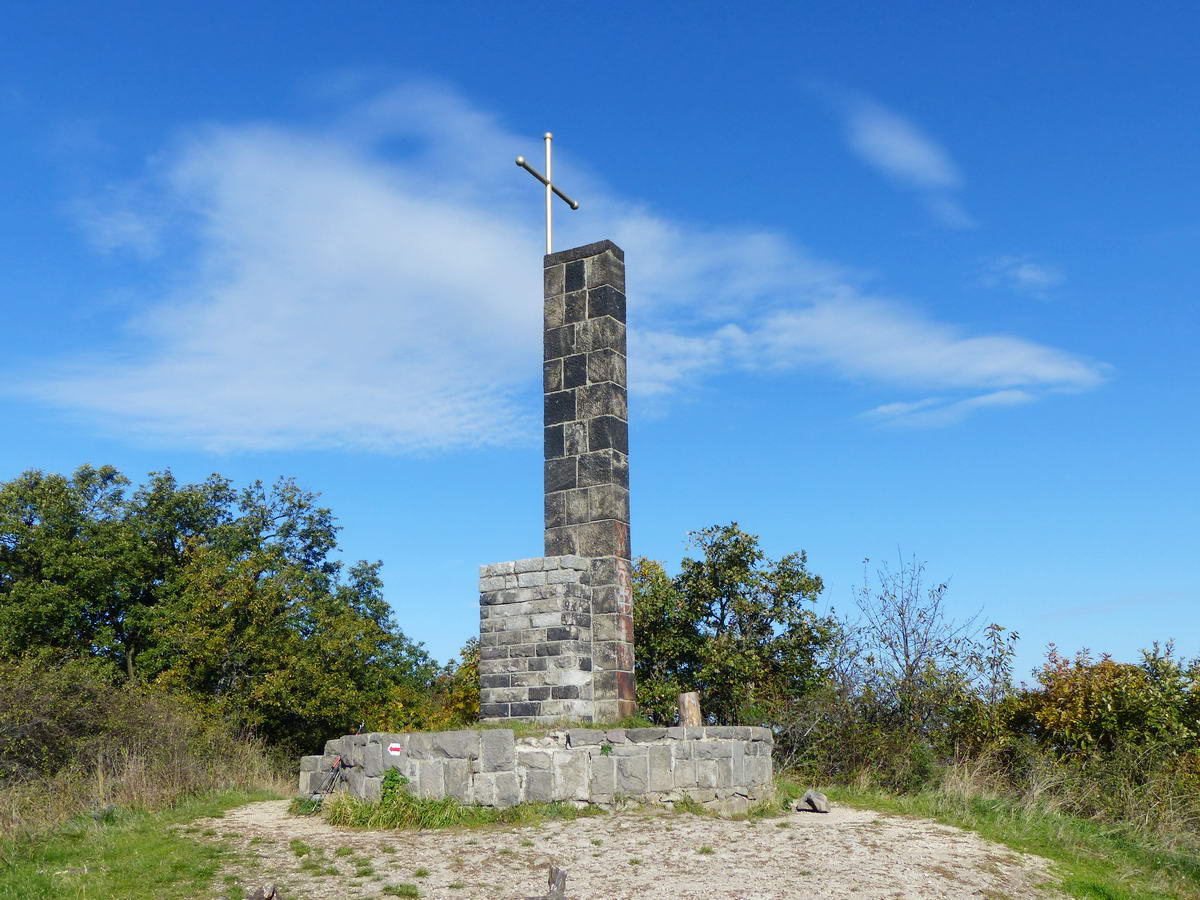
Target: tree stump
(558, 884)
(689, 709)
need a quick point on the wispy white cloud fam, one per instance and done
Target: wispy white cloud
(1022, 274)
(935, 412)
(895, 146)
(373, 282)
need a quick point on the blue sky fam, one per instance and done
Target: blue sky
(914, 278)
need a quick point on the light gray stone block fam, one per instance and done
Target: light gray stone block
(457, 775)
(602, 778)
(456, 744)
(498, 750)
(507, 789)
(310, 763)
(583, 737)
(645, 735)
(712, 749)
(431, 780)
(534, 759)
(571, 775)
(632, 774)
(532, 564)
(684, 773)
(373, 760)
(539, 786)
(706, 773)
(661, 777)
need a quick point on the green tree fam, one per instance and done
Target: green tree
(734, 625)
(227, 597)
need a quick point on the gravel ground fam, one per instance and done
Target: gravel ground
(636, 854)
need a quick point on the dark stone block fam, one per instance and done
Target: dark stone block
(606, 365)
(595, 468)
(555, 509)
(549, 650)
(560, 475)
(530, 710)
(560, 407)
(585, 664)
(562, 634)
(582, 252)
(560, 341)
(575, 438)
(552, 312)
(559, 541)
(539, 693)
(604, 682)
(575, 276)
(493, 653)
(552, 280)
(607, 599)
(552, 375)
(620, 469)
(605, 333)
(565, 692)
(605, 268)
(575, 307)
(575, 370)
(493, 710)
(606, 301)
(626, 686)
(539, 665)
(552, 441)
(608, 501)
(605, 571)
(575, 506)
(607, 433)
(494, 681)
(604, 399)
(605, 538)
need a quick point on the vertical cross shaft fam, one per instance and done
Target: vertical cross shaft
(551, 190)
(549, 197)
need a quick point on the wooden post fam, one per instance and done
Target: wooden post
(689, 709)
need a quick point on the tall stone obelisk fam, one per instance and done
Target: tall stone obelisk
(587, 452)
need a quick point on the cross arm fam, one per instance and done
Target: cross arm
(521, 161)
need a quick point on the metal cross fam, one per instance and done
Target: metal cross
(551, 188)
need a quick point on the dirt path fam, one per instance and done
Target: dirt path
(847, 853)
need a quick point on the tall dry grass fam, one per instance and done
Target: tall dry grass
(75, 740)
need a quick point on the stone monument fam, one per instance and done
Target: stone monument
(556, 632)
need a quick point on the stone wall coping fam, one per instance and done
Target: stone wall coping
(594, 249)
(449, 743)
(535, 564)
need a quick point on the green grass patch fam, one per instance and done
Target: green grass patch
(1092, 859)
(402, 890)
(133, 855)
(406, 811)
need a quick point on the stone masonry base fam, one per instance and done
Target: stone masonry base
(727, 769)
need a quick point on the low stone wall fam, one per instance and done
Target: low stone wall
(724, 768)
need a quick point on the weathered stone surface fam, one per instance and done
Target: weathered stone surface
(660, 777)
(602, 778)
(507, 789)
(645, 735)
(373, 760)
(813, 801)
(539, 786)
(456, 744)
(457, 776)
(498, 750)
(310, 763)
(632, 774)
(431, 781)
